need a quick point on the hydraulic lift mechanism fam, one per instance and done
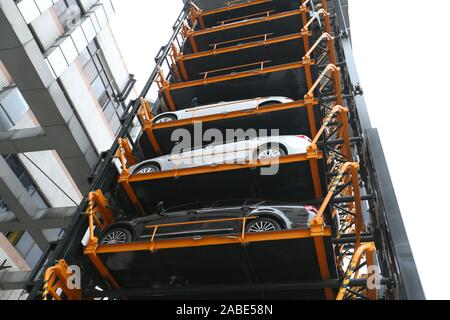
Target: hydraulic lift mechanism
(355, 247)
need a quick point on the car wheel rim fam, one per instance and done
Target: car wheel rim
(148, 170)
(262, 226)
(270, 154)
(115, 237)
(163, 120)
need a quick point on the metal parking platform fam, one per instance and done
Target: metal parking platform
(235, 11)
(272, 24)
(261, 258)
(287, 118)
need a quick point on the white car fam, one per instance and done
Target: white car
(264, 149)
(219, 108)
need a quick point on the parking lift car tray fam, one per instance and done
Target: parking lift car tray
(172, 267)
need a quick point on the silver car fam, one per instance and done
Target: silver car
(219, 108)
(264, 149)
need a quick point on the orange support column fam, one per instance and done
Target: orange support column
(91, 252)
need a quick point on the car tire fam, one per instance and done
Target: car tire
(270, 151)
(262, 225)
(116, 236)
(148, 168)
(165, 118)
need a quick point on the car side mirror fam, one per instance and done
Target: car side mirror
(160, 208)
(194, 103)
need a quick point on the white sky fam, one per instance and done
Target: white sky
(400, 48)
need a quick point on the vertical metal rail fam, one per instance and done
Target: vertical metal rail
(394, 250)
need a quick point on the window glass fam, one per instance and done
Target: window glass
(92, 47)
(91, 71)
(103, 100)
(15, 165)
(115, 124)
(5, 122)
(109, 110)
(4, 208)
(229, 203)
(25, 244)
(104, 78)
(14, 105)
(33, 256)
(102, 84)
(39, 200)
(84, 57)
(191, 206)
(98, 87)
(28, 184)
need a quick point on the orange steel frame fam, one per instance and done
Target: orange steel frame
(367, 250)
(166, 87)
(56, 278)
(199, 14)
(190, 34)
(181, 59)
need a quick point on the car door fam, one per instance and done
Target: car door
(173, 216)
(223, 209)
(234, 152)
(192, 158)
(239, 106)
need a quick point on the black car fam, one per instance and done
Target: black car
(204, 218)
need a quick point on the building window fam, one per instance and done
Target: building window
(22, 241)
(28, 183)
(102, 84)
(4, 208)
(12, 108)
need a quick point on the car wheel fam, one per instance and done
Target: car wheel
(116, 236)
(270, 152)
(165, 118)
(148, 168)
(262, 225)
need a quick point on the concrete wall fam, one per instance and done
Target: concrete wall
(87, 107)
(48, 28)
(50, 163)
(114, 57)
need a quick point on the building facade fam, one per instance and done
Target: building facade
(63, 86)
